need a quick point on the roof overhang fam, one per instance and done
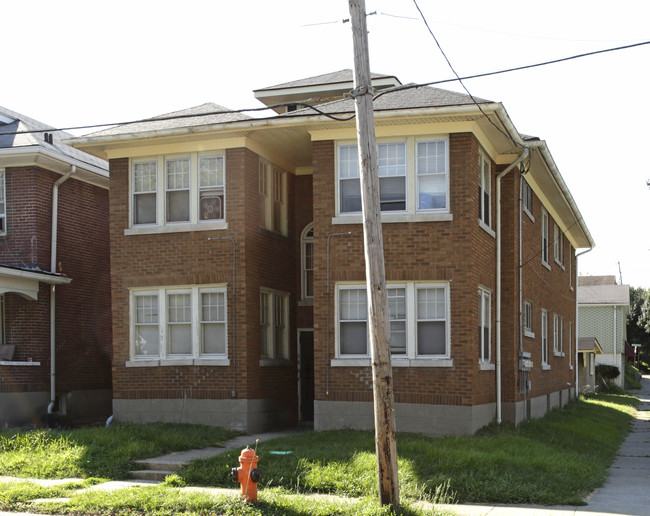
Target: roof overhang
(26, 282)
(589, 345)
(40, 157)
(291, 135)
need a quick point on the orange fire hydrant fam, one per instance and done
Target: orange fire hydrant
(247, 474)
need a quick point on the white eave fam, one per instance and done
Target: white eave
(26, 283)
(52, 160)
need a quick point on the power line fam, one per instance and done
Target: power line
(303, 104)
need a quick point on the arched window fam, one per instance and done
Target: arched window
(307, 261)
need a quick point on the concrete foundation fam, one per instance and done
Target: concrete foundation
(416, 418)
(236, 414)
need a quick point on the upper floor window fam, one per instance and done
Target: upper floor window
(272, 184)
(3, 204)
(545, 238)
(307, 259)
(527, 197)
(484, 188)
(418, 320)
(484, 324)
(178, 190)
(179, 323)
(413, 176)
(558, 245)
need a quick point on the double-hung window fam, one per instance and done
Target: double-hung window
(178, 191)
(272, 184)
(413, 177)
(556, 334)
(3, 204)
(545, 238)
(274, 325)
(179, 323)
(527, 197)
(484, 324)
(558, 245)
(307, 259)
(484, 189)
(528, 319)
(418, 317)
(544, 320)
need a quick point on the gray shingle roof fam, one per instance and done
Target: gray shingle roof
(346, 75)
(36, 140)
(604, 295)
(191, 117)
(406, 97)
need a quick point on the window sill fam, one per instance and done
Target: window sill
(175, 228)
(306, 302)
(546, 264)
(529, 334)
(558, 354)
(546, 367)
(17, 363)
(486, 228)
(395, 362)
(530, 215)
(571, 367)
(395, 218)
(275, 362)
(166, 362)
(560, 265)
(486, 366)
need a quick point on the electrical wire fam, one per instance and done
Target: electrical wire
(340, 119)
(426, 23)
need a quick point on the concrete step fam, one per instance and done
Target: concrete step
(159, 464)
(154, 475)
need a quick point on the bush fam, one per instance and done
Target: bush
(607, 372)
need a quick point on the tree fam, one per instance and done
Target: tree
(638, 322)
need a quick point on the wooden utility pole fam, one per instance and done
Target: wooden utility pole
(378, 320)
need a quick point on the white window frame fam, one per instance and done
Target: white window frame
(411, 357)
(196, 355)
(484, 322)
(528, 319)
(183, 189)
(570, 344)
(527, 199)
(307, 261)
(544, 324)
(556, 335)
(484, 190)
(348, 171)
(3, 202)
(545, 242)
(274, 348)
(196, 222)
(212, 193)
(272, 189)
(558, 245)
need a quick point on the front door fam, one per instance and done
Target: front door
(306, 375)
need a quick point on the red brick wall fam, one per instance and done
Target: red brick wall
(83, 330)
(264, 259)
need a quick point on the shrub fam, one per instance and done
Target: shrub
(607, 372)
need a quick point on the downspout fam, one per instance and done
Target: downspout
(575, 337)
(521, 157)
(53, 248)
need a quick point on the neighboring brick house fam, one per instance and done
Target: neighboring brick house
(238, 271)
(55, 326)
(603, 307)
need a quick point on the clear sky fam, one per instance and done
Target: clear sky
(81, 62)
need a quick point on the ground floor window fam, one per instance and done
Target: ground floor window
(484, 324)
(172, 322)
(274, 325)
(419, 320)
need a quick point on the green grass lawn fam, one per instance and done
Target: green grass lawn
(558, 459)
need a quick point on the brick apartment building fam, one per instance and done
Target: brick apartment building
(238, 272)
(55, 326)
